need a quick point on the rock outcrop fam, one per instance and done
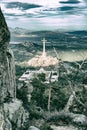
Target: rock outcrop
(64, 128)
(4, 34)
(12, 112)
(33, 128)
(7, 68)
(15, 112)
(38, 61)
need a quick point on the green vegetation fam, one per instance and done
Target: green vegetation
(46, 127)
(71, 79)
(41, 94)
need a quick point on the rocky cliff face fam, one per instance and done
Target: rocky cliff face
(4, 34)
(11, 109)
(7, 71)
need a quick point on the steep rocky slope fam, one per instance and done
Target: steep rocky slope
(12, 113)
(7, 84)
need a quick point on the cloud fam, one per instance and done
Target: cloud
(21, 6)
(66, 8)
(9, 14)
(70, 2)
(45, 14)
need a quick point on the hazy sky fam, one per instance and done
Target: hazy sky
(46, 14)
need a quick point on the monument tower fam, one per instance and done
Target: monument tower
(44, 44)
(43, 59)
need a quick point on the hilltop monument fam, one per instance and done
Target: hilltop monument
(42, 60)
(44, 50)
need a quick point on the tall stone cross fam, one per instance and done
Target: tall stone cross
(44, 43)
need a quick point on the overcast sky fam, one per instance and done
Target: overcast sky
(46, 14)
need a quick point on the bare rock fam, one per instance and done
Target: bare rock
(4, 122)
(33, 128)
(16, 113)
(4, 33)
(11, 110)
(63, 127)
(78, 119)
(7, 66)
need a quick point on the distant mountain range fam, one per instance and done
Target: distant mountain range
(69, 45)
(74, 39)
(81, 33)
(18, 30)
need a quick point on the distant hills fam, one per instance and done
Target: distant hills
(26, 31)
(62, 40)
(69, 45)
(81, 33)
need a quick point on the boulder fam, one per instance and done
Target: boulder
(33, 128)
(63, 127)
(16, 113)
